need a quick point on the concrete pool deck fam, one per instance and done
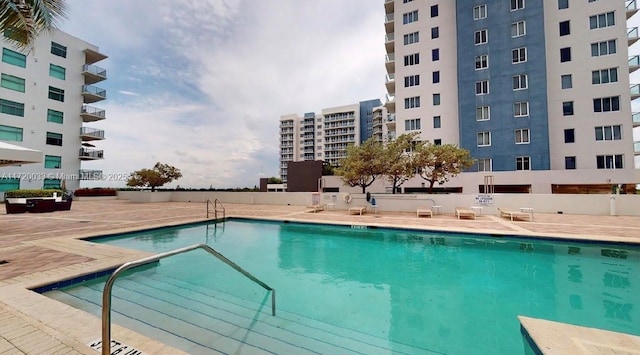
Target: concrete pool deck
(39, 249)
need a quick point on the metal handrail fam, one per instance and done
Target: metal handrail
(215, 204)
(106, 293)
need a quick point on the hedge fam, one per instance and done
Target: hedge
(98, 191)
(33, 193)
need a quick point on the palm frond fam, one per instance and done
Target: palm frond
(22, 20)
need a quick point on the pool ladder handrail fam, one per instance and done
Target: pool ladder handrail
(215, 204)
(106, 293)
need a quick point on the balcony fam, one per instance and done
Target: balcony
(635, 91)
(391, 83)
(92, 56)
(389, 23)
(636, 147)
(632, 8)
(634, 63)
(93, 74)
(84, 174)
(632, 35)
(92, 114)
(391, 122)
(390, 104)
(389, 42)
(388, 6)
(390, 62)
(635, 118)
(91, 134)
(93, 94)
(90, 154)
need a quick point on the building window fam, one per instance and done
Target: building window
(570, 163)
(437, 142)
(563, 4)
(52, 162)
(434, 11)
(480, 12)
(482, 87)
(518, 29)
(51, 184)
(11, 108)
(520, 82)
(55, 116)
(412, 125)
(8, 133)
(609, 133)
(567, 81)
(14, 58)
(484, 164)
(483, 113)
(482, 62)
(57, 71)
(410, 17)
(435, 32)
(606, 104)
(519, 55)
(517, 5)
(522, 136)
(602, 20)
(521, 109)
(604, 76)
(565, 28)
(436, 76)
(436, 99)
(437, 122)
(567, 108)
(484, 139)
(411, 38)
(609, 161)
(523, 163)
(56, 94)
(412, 102)
(411, 80)
(12, 82)
(412, 59)
(570, 135)
(54, 138)
(603, 48)
(58, 49)
(7, 184)
(435, 55)
(480, 37)
(565, 54)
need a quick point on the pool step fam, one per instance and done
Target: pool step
(215, 321)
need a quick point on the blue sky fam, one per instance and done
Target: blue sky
(201, 85)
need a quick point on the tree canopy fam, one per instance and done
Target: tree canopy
(22, 20)
(159, 175)
(439, 163)
(399, 160)
(362, 165)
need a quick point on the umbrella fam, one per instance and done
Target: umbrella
(16, 155)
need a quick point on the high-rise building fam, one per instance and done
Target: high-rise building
(325, 136)
(537, 90)
(47, 94)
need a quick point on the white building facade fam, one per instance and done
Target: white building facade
(47, 97)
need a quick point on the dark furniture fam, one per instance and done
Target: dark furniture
(38, 205)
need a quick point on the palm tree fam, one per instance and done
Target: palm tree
(22, 20)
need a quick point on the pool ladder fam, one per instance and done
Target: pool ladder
(106, 293)
(215, 205)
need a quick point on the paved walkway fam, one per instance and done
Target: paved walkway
(38, 249)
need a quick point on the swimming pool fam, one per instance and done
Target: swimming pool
(364, 290)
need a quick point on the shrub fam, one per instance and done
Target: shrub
(32, 193)
(97, 191)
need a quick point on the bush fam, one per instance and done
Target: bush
(32, 193)
(97, 191)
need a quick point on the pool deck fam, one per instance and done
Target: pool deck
(39, 249)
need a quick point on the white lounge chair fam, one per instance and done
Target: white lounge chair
(422, 211)
(514, 214)
(315, 208)
(358, 210)
(464, 212)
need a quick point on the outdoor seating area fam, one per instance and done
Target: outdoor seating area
(514, 214)
(315, 208)
(462, 212)
(423, 211)
(359, 210)
(38, 205)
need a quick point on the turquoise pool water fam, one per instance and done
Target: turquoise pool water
(415, 291)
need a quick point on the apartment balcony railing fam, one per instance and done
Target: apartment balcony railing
(636, 147)
(632, 8)
(389, 41)
(93, 74)
(632, 35)
(391, 118)
(84, 174)
(91, 134)
(92, 114)
(634, 63)
(635, 118)
(90, 154)
(635, 91)
(388, 6)
(286, 124)
(388, 23)
(92, 94)
(350, 116)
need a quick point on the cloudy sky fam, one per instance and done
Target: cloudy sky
(201, 84)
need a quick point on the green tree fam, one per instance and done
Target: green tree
(160, 174)
(362, 165)
(439, 163)
(22, 20)
(274, 180)
(399, 159)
